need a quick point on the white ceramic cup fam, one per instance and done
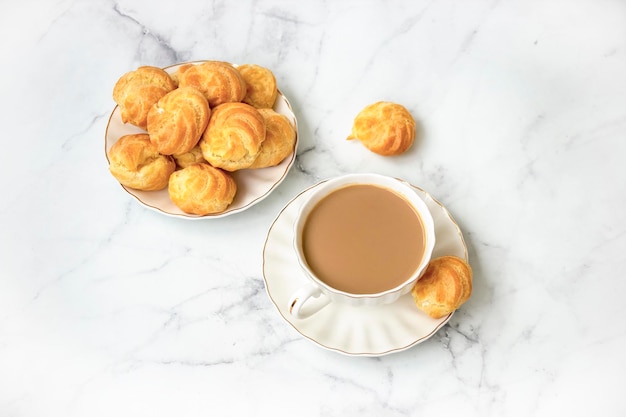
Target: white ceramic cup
(316, 294)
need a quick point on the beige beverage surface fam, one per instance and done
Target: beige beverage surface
(363, 239)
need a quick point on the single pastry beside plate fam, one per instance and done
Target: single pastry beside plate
(384, 128)
(261, 86)
(136, 163)
(444, 287)
(233, 138)
(137, 91)
(178, 120)
(202, 189)
(220, 82)
(280, 138)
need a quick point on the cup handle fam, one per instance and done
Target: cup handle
(301, 296)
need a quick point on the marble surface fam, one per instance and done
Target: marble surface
(108, 308)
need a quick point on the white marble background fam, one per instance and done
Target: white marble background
(107, 308)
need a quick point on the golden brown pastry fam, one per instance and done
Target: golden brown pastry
(136, 163)
(261, 86)
(194, 156)
(220, 82)
(202, 189)
(136, 91)
(384, 128)
(280, 138)
(445, 285)
(233, 138)
(181, 68)
(176, 122)
(175, 74)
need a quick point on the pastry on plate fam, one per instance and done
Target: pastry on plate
(233, 138)
(137, 91)
(384, 128)
(220, 82)
(194, 156)
(280, 138)
(176, 122)
(136, 163)
(202, 189)
(444, 287)
(261, 86)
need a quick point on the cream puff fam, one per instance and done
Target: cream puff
(178, 120)
(444, 287)
(233, 138)
(136, 163)
(137, 91)
(384, 128)
(202, 189)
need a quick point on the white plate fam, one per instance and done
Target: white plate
(357, 331)
(253, 185)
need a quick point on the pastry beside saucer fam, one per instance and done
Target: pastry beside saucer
(444, 287)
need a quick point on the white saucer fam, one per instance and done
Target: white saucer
(253, 185)
(357, 331)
